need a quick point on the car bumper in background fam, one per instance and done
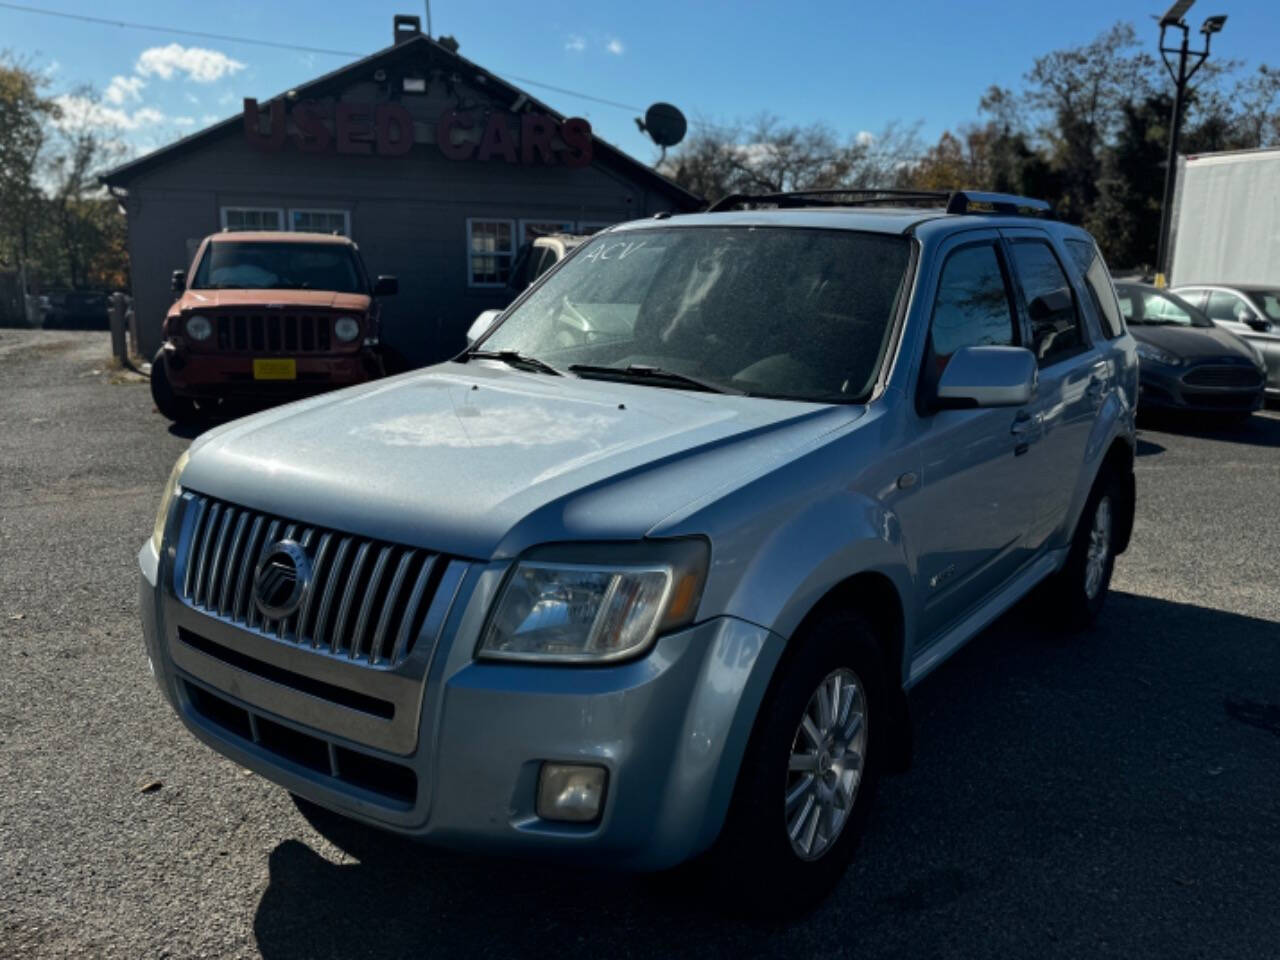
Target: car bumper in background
(212, 376)
(669, 729)
(1161, 388)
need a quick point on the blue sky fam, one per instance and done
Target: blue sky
(855, 66)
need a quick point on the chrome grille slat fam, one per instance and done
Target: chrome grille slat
(370, 592)
(344, 609)
(366, 602)
(411, 609)
(205, 542)
(246, 571)
(236, 540)
(331, 585)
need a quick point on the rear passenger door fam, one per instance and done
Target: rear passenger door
(1075, 375)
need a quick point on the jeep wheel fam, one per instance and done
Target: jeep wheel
(809, 775)
(1081, 585)
(171, 406)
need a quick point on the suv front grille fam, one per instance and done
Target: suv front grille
(1223, 376)
(366, 601)
(273, 333)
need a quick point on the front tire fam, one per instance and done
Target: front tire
(171, 406)
(809, 776)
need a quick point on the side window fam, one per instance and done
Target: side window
(1224, 306)
(1194, 297)
(972, 307)
(1055, 324)
(1126, 304)
(1098, 282)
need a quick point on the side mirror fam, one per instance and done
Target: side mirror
(480, 326)
(1257, 324)
(178, 281)
(386, 287)
(988, 377)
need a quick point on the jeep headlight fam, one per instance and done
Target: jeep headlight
(1147, 352)
(171, 490)
(198, 327)
(346, 329)
(606, 603)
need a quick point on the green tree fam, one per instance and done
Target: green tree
(25, 114)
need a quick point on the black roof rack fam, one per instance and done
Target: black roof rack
(952, 201)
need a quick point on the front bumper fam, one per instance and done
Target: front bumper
(670, 729)
(216, 376)
(1164, 388)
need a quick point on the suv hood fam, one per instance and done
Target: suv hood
(482, 461)
(319, 299)
(1193, 343)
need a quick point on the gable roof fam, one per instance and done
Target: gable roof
(406, 50)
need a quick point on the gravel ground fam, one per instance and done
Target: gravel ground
(1107, 795)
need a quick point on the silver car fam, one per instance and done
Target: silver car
(1250, 312)
(648, 571)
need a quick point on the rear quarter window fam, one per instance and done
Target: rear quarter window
(1097, 281)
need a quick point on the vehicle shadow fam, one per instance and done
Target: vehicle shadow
(1259, 430)
(1064, 789)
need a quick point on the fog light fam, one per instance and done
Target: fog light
(568, 792)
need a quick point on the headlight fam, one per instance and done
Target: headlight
(171, 489)
(1147, 352)
(611, 606)
(199, 328)
(346, 329)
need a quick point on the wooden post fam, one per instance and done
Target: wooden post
(116, 312)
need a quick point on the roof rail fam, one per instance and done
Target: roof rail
(953, 201)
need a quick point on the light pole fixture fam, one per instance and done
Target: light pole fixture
(1175, 18)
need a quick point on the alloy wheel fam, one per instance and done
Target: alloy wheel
(1099, 548)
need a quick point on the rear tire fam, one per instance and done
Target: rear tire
(1080, 587)
(171, 406)
(809, 775)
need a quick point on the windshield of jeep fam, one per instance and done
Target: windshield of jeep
(784, 312)
(274, 265)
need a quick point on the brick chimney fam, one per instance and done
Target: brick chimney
(406, 27)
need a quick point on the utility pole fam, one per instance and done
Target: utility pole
(1182, 74)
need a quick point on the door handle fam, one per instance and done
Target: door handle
(1023, 430)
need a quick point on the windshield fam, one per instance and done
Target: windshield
(280, 266)
(792, 313)
(1268, 301)
(1153, 308)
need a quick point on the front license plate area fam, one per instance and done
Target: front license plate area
(275, 369)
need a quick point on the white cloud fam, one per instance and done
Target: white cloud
(121, 89)
(183, 121)
(575, 43)
(615, 47)
(198, 63)
(227, 99)
(209, 118)
(81, 112)
(865, 138)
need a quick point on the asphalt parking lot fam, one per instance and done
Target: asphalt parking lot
(1114, 794)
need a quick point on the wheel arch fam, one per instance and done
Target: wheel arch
(1119, 459)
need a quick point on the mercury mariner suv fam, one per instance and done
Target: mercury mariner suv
(647, 571)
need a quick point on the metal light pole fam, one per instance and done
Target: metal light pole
(1181, 75)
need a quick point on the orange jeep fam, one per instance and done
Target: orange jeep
(267, 315)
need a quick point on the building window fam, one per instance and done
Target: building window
(532, 229)
(321, 221)
(252, 218)
(490, 250)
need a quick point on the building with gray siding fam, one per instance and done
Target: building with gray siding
(437, 169)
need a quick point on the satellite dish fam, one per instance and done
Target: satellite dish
(665, 124)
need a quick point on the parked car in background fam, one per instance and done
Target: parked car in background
(267, 315)
(533, 260)
(75, 310)
(627, 598)
(1185, 361)
(1251, 312)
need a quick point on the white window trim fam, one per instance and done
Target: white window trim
(510, 254)
(346, 217)
(567, 225)
(284, 223)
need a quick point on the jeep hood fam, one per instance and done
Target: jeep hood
(482, 461)
(196, 299)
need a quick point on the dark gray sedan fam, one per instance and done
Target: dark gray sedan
(1185, 361)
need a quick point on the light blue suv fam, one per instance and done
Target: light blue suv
(648, 571)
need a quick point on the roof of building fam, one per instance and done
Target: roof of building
(417, 45)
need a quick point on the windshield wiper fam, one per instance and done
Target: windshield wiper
(514, 358)
(656, 376)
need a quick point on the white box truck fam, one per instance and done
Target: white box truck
(1226, 219)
